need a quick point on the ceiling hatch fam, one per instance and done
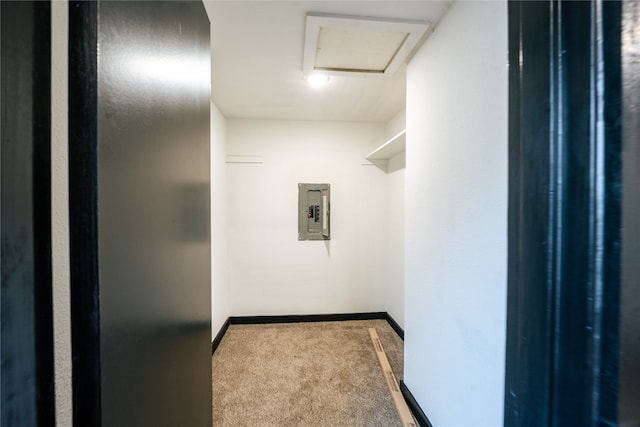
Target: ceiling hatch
(358, 46)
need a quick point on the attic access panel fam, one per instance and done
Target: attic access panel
(358, 46)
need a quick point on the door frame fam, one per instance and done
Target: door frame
(565, 213)
(83, 209)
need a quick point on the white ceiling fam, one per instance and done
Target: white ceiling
(257, 54)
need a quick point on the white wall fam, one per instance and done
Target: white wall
(219, 285)
(270, 271)
(393, 291)
(60, 212)
(396, 124)
(456, 216)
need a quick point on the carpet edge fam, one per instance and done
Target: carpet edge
(300, 318)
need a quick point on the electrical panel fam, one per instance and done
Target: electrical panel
(313, 211)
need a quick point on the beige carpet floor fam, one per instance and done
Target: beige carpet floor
(304, 374)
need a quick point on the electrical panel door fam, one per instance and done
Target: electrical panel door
(313, 211)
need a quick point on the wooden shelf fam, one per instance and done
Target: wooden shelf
(394, 146)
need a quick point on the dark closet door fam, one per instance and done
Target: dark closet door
(27, 320)
(139, 202)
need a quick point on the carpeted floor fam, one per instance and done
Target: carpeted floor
(304, 374)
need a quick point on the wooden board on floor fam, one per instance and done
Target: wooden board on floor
(394, 388)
